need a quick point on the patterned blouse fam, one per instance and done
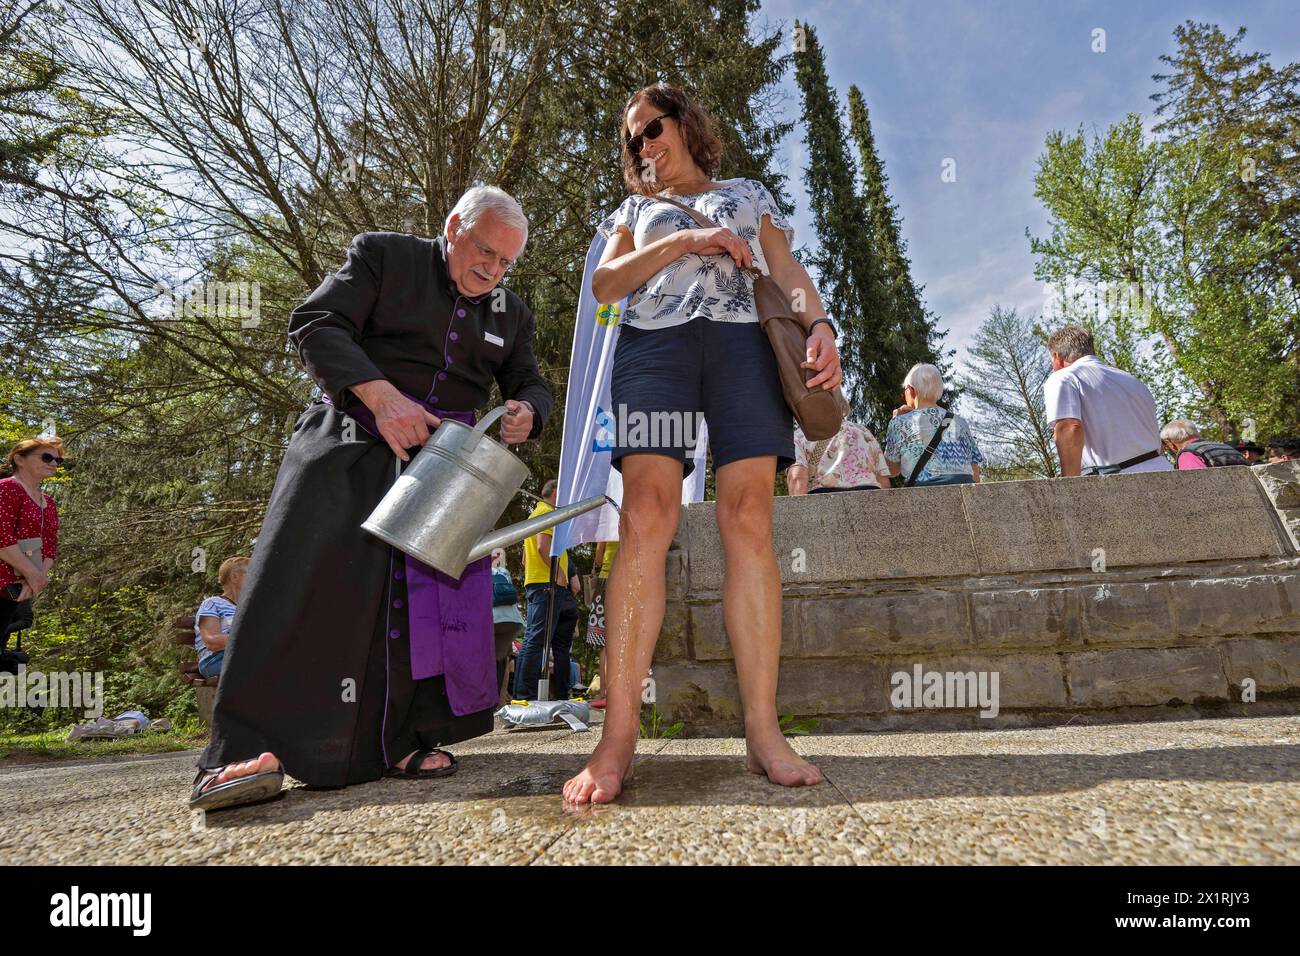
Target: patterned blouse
(852, 459)
(909, 435)
(695, 285)
(22, 518)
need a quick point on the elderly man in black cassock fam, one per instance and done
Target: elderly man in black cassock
(348, 660)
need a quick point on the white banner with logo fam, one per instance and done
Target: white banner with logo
(590, 426)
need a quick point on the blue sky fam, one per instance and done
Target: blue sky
(984, 84)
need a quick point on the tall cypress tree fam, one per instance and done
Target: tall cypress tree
(845, 261)
(909, 334)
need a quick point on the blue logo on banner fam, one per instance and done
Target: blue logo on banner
(604, 440)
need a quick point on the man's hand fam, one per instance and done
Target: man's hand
(517, 423)
(823, 356)
(401, 422)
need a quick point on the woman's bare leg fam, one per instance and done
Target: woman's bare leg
(634, 613)
(751, 607)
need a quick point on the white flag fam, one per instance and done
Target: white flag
(589, 425)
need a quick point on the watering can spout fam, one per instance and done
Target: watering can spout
(513, 534)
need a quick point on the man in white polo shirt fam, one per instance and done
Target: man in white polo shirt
(1103, 420)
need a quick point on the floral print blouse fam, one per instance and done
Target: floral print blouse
(697, 285)
(852, 459)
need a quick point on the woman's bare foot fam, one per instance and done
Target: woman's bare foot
(266, 763)
(604, 777)
(773, 756)
(432, 762)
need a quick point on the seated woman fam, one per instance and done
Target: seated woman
(851, 460)
(956, 459)
(213, 618)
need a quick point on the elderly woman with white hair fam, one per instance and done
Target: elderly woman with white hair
(349, 660)
(926, 443)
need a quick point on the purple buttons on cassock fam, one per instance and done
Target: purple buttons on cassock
(394, 633)
(399, 574)
(461, 313)
(455, 336)
(441, 376)
(399, 604)
(433, 399)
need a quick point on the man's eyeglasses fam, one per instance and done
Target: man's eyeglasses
(47, 458)
(651, 130)
(489, 253)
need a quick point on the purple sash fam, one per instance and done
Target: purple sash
(450, 619)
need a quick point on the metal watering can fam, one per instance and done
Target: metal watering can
(442, 508)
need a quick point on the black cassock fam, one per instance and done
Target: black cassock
(317, 666)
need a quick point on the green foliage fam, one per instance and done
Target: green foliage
(1180, 249)
(652, 725)
(798, 728)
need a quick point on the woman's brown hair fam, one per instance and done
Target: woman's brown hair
(697, 125)
(26, 447)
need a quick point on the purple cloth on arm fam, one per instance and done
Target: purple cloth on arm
(450, 619)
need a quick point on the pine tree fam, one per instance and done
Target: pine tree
(910, 335)
(849, 279)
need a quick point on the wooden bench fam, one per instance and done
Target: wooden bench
(205, 688)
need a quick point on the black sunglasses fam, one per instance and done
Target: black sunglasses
(651, 130)
(47, 458)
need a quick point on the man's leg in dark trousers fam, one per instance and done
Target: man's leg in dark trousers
(528, 664)
(566, 623)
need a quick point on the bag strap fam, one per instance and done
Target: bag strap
(929, 450)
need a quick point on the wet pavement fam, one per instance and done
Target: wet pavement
(1207, 791)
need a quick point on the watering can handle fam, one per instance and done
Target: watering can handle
(483, 425)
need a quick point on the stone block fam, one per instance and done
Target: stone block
(1272, 663)
(850, 536)
(1026, 617)
(879, 624)
(1254, 604)
(1126, 613)
(1157, 518)
(1024, 681)
(1136, 677)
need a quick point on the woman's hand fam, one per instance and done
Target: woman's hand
(823, 356)
(718, 242)
(35, 580)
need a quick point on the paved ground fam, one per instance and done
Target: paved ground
(1209, 791)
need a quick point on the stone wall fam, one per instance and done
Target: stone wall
(1117, 597)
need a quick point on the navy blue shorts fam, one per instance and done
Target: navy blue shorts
(664, 380)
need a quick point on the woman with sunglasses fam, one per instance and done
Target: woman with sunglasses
(29, 523)
(689, 344)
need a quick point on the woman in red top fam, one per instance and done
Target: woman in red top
(27, 513)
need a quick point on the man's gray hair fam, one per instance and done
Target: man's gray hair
(1179, 430)
(927, 381)
(1071, 342)
(480, 199)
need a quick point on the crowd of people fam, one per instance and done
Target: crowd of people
(343, 660)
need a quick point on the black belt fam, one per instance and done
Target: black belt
(1107, 469)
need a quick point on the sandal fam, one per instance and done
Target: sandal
(412, 769)
(253, 788)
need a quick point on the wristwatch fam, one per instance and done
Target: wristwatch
(817, 322)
